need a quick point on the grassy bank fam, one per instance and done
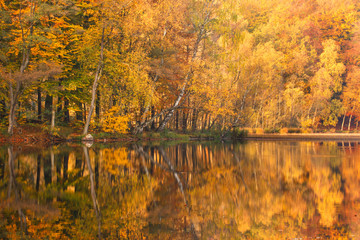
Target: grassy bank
(39, 133)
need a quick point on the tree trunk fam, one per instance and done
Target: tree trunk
(170, 113)
(141, 126)
(13, 101)
(213, 123)
(59, 105)
(200, 35)
(194, 120)
(14, 96)
(342, 124)
(66, 111)
(98, 73)
(205, 122)
(177, 120)
(84, 110)
(221, 125)
(97, 108)
(53, 166)
(313, 122)
(79, 113)
(160, 120)
(184, 122)
(349, 126)
(143, 122)
(48, 107)
(53, 110)
(39, 104)
(152, 116)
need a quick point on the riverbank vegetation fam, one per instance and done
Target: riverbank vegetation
(35, 134)
(192, 65)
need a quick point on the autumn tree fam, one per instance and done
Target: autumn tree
(25, 27)
(201, 23)
(326, 82)
(351, 92)
(120, 61)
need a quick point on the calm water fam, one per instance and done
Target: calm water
(253, 190)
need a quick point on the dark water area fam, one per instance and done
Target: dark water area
(196, 190)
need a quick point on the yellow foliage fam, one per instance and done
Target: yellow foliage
(306, 130)
(283, 131)
(114, 123)
(305, 123)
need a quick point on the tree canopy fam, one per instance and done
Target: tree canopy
(189, 64)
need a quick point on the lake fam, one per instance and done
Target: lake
(169, 190)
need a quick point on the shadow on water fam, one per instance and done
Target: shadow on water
(253, 190)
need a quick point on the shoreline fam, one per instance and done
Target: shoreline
(306, 136)
(44, 139)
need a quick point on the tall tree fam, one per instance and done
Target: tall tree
(201, 22)
(25, 27)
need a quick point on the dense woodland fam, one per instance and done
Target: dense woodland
(137, 65)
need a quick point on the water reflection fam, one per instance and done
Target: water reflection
(13, 187)
(256, 190)
(92, 188)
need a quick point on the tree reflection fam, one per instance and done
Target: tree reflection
(14, 187)
(171, 170)
(259, 190)
(92, 188)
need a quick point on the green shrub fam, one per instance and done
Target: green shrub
(271, 130)
(294, 130)
(172, 135)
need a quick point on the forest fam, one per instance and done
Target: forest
(138, 65)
